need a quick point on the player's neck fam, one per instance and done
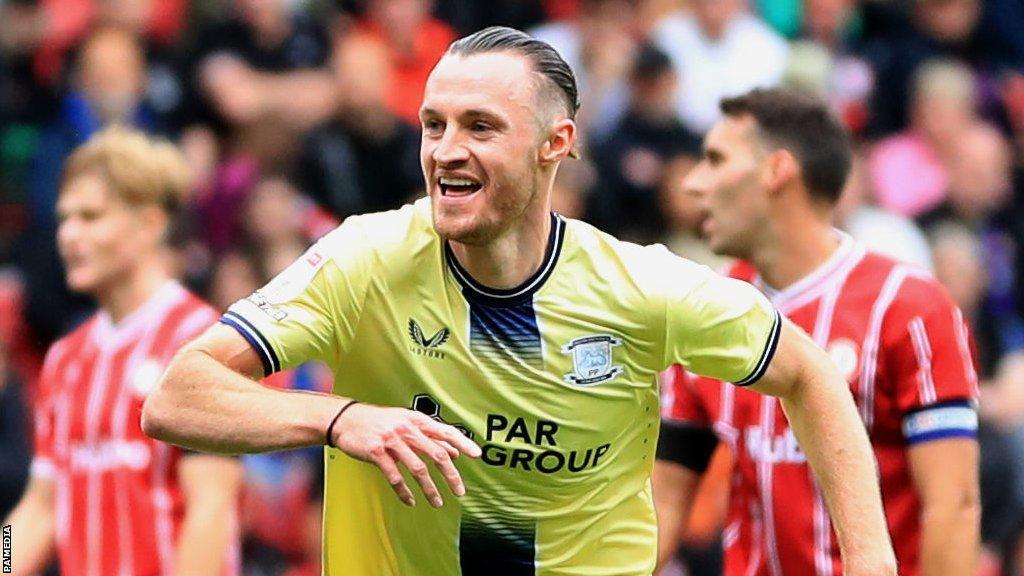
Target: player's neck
(509, 260)
(130, 293)
(794, 252)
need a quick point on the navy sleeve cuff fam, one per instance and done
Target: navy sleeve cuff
(258, 342)
(767, 355)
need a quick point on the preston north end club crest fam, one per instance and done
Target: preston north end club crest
(592, 360)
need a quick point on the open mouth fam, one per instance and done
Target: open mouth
(456, 187)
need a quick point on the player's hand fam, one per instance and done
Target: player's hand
(388, 436)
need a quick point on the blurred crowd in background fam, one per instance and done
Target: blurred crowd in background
(297, 113)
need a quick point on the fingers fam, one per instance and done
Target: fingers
(449, 434)
(442, 458)
(419, 470)
(394, 476)
(452, 450)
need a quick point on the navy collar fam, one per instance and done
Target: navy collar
(476, 292)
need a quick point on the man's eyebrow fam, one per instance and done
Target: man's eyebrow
(495, 118)
(471, 113)
(475, 112)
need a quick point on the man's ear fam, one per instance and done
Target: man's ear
(782, 167)
(156, 222)
(561, 142)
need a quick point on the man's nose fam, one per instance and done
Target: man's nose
(451, 148)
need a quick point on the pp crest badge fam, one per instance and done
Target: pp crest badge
(592, 360)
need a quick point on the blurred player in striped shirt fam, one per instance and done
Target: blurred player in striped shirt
(104, 496)
(772, 172)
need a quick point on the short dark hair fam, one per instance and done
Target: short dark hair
(546, 60)
(803, 125)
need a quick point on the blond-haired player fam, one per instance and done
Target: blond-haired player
(102, 495)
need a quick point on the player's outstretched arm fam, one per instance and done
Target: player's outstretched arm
(821, 411)
(208, 400)
(33, 528)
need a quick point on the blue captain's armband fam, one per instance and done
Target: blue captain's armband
(946, 420)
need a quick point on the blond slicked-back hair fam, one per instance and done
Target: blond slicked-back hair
(141, 170)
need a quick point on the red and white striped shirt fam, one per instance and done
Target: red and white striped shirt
(902, 344)
(119, 504)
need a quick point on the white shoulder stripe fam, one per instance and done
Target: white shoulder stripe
(923, 352)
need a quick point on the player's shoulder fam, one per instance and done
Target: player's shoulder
(67, 346)
(76, 338)
(910, 289)
(191, 316)
(647, 265)
(392, 232)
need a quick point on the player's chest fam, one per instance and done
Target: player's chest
(532, 342)
(848, 331)
(97, 409)
(756, 424)
(519, 371)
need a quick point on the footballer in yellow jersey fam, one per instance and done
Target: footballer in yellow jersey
(555, 379)
(551, 380)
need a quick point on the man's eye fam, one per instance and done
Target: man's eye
(433, 126)
(481, 127)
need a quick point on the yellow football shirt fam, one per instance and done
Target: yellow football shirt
(555, 379)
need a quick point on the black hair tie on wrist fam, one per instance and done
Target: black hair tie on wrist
(330, 427)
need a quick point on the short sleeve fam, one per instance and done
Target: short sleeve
(721, 328)
(311, 309)
(928, 355)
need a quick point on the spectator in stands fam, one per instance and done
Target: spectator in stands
(830, 23)
(631, 160)
(599, 47)
(979, 189)
(910, 171)
(720, 50)
(48, 31)
(940, 29)
(107, 87)
(414, 41)
(366, 158)
(825, 59)
(267, 61)
(272, 220)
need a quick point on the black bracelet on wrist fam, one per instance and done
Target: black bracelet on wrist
(330, 427)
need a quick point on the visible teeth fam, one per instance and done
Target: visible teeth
(457, 182)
